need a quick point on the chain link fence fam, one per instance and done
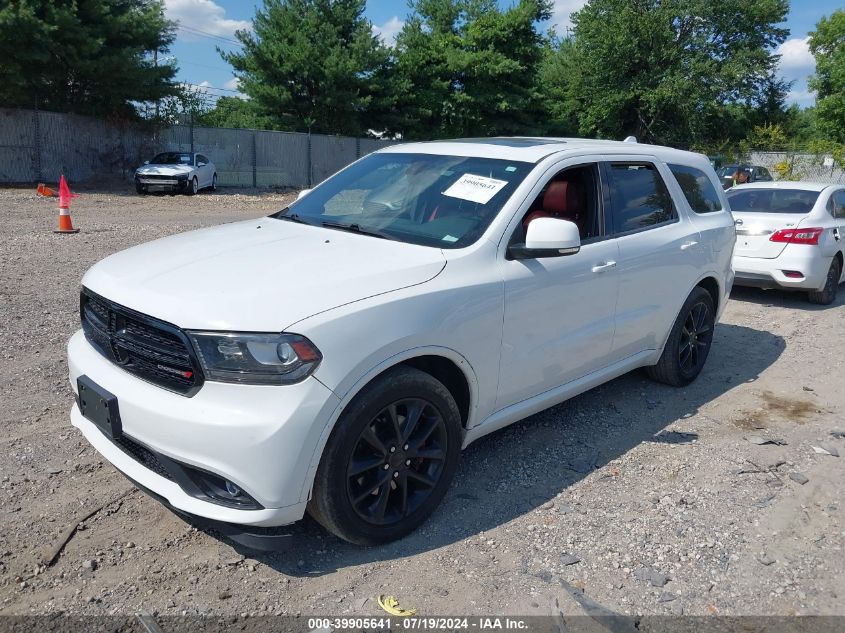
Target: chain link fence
(38, 146)
(805, 166)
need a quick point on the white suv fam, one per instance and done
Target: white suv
(336, 356)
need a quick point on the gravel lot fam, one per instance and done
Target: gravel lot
(648, 499)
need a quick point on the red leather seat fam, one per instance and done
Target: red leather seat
(561, 200)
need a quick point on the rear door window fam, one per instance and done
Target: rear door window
(639, 197)
(698, 189)
(839, 204)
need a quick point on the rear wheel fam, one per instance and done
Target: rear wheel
(827, 295)
(689, 341)
(389, 460)
(214, 183)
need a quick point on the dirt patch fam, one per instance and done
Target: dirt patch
(630, 475)
(795, 410)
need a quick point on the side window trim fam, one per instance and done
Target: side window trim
(637, 160)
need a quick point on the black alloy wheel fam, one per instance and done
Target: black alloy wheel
(397, 461)
(696, 336)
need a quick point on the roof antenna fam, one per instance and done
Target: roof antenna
(630, 139)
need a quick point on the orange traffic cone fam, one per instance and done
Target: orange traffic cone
(45, 191)
(65, 224)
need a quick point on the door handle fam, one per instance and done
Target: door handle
(687, 245)
(603, 266)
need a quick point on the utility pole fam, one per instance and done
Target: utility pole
(155, 63)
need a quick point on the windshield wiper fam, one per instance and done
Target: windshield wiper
(356, 228)
(290, 217)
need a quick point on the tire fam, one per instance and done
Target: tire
(827, 295)
(689, 341)
(193, 187)
(140, 190)
(214, 182)
(387, 499)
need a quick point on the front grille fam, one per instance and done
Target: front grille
(162, 179)
(142, 455)
(153, 350)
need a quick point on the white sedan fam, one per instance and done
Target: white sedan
(174, 172)
(790, 235)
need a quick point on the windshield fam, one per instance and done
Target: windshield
(728, 170)
(171, 158)
(772, 200)
(443, 201)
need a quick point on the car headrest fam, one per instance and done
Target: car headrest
(561, 198)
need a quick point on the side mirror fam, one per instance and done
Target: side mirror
(303, 193)
(146, 162)
(547, 237)
(201, 164)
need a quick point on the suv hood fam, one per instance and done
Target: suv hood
(164, 170)
(259, 275)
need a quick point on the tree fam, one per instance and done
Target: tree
(672, 71)
(314, 65)
(86, 56)
(466, 67)
(235, 112)
(827, 43)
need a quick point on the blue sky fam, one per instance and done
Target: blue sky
(206, 24)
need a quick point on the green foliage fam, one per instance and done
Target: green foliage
(314, 65)
(84, 56)
(235, 112)
(469, 68)
(827, 43)
(678, 72)
(769, 137)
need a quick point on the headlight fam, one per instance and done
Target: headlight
(255, 359)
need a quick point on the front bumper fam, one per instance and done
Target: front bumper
(770, 273)
(162, 184)
(261, 438)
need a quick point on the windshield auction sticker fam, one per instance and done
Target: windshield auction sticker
(475, 188)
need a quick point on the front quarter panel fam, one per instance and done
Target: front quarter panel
(457, 315)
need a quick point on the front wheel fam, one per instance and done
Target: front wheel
(193, 187)
(827, 295)
(140, 189)
(389, 460)
(689, 341)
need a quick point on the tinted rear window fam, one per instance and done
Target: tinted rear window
(698, 189)
(772, 200)
(640, 197)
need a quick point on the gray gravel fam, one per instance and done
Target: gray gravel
(631, 476)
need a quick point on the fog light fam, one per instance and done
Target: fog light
(220, 490)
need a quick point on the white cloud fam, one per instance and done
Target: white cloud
(802, 98)
(561, 12)
(205, 84)
(389, 30)
(202, 15)
(795, 56)
(233, 84)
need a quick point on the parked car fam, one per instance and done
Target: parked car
(749, 173)
(336, 356)
(176, 172)
(790, 235)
